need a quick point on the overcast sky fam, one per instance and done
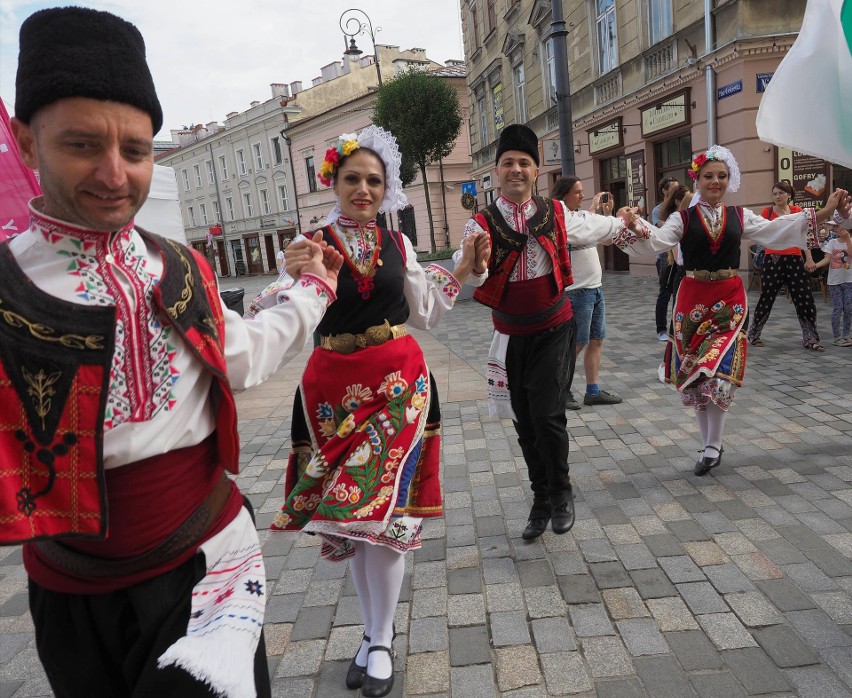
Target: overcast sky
(211, 58)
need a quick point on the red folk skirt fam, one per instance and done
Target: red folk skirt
(706, 359)
(366, 449)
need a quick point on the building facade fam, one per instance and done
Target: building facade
(246, 188)
(642, 76)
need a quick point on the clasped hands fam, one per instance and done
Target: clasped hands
(313, 256)
(476, 251)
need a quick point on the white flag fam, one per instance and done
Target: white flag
(807, 105)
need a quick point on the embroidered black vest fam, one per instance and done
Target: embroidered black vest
(354, 314)
(695, 244)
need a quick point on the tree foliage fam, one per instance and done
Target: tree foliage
(422, 111)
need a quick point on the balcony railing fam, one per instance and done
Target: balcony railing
(660, 61)
(608, 88)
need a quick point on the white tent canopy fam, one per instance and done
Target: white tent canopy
(161, 212)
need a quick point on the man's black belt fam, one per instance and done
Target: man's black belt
(535, 318)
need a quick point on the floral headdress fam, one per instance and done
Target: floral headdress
(348, 143)
(717, 153)
(383, 144)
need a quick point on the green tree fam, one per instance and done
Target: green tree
(422, 110)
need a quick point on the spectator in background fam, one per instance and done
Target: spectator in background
(667, 187)
(587, 297)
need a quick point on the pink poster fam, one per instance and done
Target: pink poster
(18, 183)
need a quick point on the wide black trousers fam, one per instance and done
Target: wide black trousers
(107, 645)
(540, 368)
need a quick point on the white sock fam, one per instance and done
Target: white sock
(715, 426)
(701, 419)
(358, 569)
(385, 569)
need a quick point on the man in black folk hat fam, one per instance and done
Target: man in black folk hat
(117, 365)
(531, 360)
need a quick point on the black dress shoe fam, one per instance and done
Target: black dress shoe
(535, 527)
(355, 674)
(562, 517)
(707, 463)
(373, 687)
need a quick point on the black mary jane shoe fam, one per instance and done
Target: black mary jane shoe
(373, 687)
(355, 674)
(707, 463)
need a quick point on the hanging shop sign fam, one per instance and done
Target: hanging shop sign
(551, 152)
(606, 137)
(636, 180)
(671, 112)
(808, 175)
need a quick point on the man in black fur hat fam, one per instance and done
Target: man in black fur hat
(531, 360)
(117, 365)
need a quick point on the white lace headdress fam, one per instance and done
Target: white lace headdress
(719, 153)
(383, 143)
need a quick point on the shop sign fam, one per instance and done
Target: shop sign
(808, 175)
(665, 115)
(551, 151)
(728, 90)
(636, 180)
(762, 81)
(606, 137)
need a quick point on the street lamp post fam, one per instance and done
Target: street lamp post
(558, 35)
(354, 22)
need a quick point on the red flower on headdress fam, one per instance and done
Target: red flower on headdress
(332, 156)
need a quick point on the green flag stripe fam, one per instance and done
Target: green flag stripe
(846, 22)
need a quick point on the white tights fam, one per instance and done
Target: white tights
(377, 573)
(711, 424)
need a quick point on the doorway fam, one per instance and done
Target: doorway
(270, 252)
(614, 181)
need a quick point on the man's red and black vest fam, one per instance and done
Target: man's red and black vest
(55, 359)
(547, 226)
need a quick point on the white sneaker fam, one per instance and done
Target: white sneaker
(842, 342)
(663, 336)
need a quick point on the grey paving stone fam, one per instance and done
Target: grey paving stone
(785, 595)
(466, 580)
(831, 562)
(553, 635)
(735, 510)
(663, 678)
(701, 597)
(785, 647)
(472, 682)
(469, 645)
(725, 631)
(635, 556)
(565, 673)
(590, 620)
(817, 682)
(694, 650)
(727, 578)
(642, 637)
(663, 545)
(535, 573)
(428, 635)
(620, 688)
(803, 538)
(753, 609)
(598, 550)
(312, 623)
(579, 589)
(716, 685)
(609, 575)
(652, 584)
(755, 671)
(681, 569)
(509, 628)
(499, 571)
(818, 629)
(809, 578)
(606, 657)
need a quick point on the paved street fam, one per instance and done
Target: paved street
(669, 585)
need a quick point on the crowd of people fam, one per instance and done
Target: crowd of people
(145, 571)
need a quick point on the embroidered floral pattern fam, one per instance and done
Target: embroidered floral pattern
(445, 281)
(142, 373)
(355, 396)
(625, 237)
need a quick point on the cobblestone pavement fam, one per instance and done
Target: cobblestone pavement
(669, 585)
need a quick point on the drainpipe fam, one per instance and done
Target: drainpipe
(444, 203)
(709, 74)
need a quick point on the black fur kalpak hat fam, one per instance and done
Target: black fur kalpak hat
(518, 137)
(77, 52)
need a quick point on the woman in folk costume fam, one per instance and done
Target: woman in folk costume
(706, 358)
(363, 472)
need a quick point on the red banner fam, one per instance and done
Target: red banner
(18, 183)
(216, 229)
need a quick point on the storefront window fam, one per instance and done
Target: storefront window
(673, 158)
